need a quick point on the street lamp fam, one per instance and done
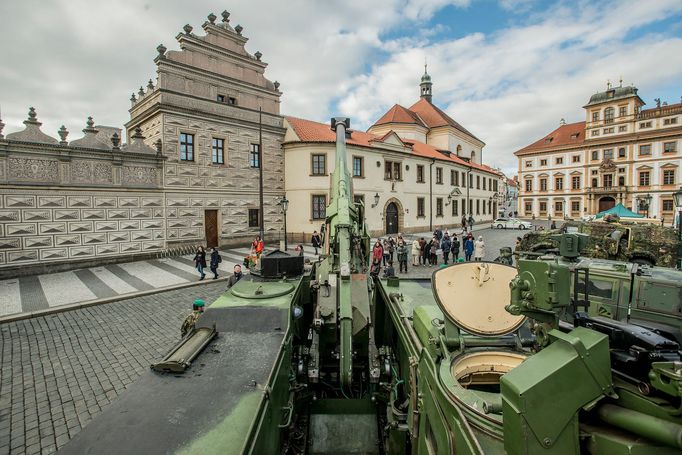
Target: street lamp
(376, 200)
(677, 195)
(284, 203)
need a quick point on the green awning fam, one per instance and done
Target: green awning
(621, 211)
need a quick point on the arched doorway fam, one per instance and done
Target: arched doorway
(606, 203)
(391, 218)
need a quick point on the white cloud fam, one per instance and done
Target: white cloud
(73, 58)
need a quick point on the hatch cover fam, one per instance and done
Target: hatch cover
(473, 295)
(261, 289)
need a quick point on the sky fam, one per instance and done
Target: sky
(507, 70)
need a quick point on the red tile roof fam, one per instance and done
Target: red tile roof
(309, 131)
(399, 114)
(571, 134)
(434, 117)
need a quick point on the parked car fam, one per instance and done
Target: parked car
(510, 223)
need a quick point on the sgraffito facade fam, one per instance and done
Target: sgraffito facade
(187, 175)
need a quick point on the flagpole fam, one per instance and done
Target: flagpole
(260, 172)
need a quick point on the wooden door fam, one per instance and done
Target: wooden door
(211, 227)
(606, 203)
(392, 218)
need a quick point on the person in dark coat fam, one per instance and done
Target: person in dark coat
(446, 244)
(236, 276)
(317, 242)
(455, 249)
(200, 262)
(469, 247)
(422, 246)
(215, 260)
(427, 252)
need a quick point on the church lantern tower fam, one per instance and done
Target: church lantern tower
(426, 86)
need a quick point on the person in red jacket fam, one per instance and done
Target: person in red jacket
(377, 254)
(257, 248)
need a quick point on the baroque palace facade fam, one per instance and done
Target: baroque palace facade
(621, 153)
(415, 169)
(187, 175)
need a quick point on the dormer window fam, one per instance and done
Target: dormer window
(610, 93)
(548, 140)
(575, 135)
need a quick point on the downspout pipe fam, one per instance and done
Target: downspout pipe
(433, 161)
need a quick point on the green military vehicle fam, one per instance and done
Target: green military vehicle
(622, 241)
(332, 359)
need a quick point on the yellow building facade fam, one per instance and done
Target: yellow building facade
(621, 153)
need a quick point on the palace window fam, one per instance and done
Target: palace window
(478, 206)
(575, 206)
(439, 206)
(576, 158)
(621, 152)
(595, 116)
(439, 175)
(670, 147)
(484, 180)
(529, 185)
(644, 178)
(595, 132)
(478, 182)
(594, 172)
(608, 154)
(392, 170)
(667, 205)
(358, 166)
(494, 185)
(529, 164)
(528, 208)
(232, 101)
(608, 180)
(455, 208)
(621, 180)
(454, 177)
(420, 173)
(318, 164)
(558, 207)
(543, 184)
(254, 218)
(543, 207)
(186, 147)
(420, 207)
(622, 129)
(471, 180)
(622, 111)
(595, 155)
(670, 121)
(608, 114)
(669, 176)
(594, 183)
(319, 207)
(254, 155)
(645, 124)
(218, 151)
(559, 183)
(560, 160)
(543, 162)
(220, 98)
(608, 130)
(645, 149)
(575, 182)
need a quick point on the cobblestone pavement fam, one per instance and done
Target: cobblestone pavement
(61, 370)
(32, 293)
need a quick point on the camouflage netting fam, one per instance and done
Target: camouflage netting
(648, 243)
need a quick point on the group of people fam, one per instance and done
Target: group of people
(200, 262)
(385, 251)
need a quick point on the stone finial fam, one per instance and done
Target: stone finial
(90, 126)
(63, 134)
(226, 17)
(276, 85)
(211, 18)
(258, 55)
(140, 92)
(32, 117)
(238, 29)
(132, 97)
(115, 141)
(161, 49)
(188, 29)
(137, 134)
(150, 85)
(159, 145)
(2, 125)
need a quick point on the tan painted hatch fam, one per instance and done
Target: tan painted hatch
(473, 295)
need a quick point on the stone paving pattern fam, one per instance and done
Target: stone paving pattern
(61, 370)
